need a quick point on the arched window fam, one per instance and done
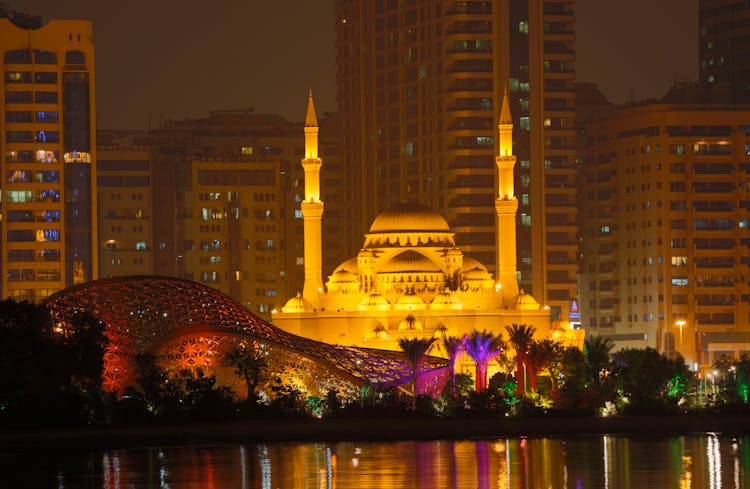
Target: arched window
(75, 58)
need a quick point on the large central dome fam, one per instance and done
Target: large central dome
(409, 217)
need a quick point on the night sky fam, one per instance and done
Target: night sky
(173, 59)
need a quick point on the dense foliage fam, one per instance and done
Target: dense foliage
(50, 376)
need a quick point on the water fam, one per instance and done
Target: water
(708, 461)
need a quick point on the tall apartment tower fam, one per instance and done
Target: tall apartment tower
(419, 90)
(725, 47)
(225, 203)
(666, 229)
(48, 186)
(124, 196)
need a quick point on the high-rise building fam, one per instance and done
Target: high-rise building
(123, 178)
(417, 81)
(48, 187)
(225, 205)
(725, 47)
(665, 229)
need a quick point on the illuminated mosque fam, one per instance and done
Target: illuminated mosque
(410, 279)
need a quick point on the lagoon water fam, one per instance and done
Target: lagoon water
(706, 461)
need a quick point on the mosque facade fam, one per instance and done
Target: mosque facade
(410, 279)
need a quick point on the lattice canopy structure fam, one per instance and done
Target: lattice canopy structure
(189, 325)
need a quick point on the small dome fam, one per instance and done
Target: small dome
(526, 302)
(470, 263)
(410, 261)
(298, 304)
(409, 301)
(376, 301)
(477, 273)
(410, 322)
(409, 217)
(342, 281)
(446, 300)
(349, 265)
(343, 277)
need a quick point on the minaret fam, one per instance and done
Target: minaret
(312, 209)
(506, 207)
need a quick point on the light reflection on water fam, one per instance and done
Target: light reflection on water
(590, 462)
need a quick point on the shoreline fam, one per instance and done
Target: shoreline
(367, 430)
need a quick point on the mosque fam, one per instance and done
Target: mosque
(410, 279)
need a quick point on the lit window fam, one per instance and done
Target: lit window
(679, 281)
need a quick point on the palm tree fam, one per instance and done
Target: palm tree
(249, 363)
(521, 337)
(483, 346)
(596, 352)
(541, 354)
(453, 347)
(556, 365)
(415, 350)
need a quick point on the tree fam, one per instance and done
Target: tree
(40, 369)
(544, 354)
(733, 379)
(483, 347)
(453, 347)
(415, 350)
(521, 337)
(572, 384)
(596, 353)
(249, 362)
(650, 380)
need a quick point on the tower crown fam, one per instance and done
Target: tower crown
(311, 130)
(310, 119)
(505, 126)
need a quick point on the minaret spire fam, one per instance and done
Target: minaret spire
(310, 119)
(506, 206)
(312, 209)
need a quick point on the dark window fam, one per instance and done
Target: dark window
(45, 77)
(45, 97)
(19, 136)
(122, 165)
(18, 97)
(16, 235)
(43, 57)
(12, 116)
(18, 56)
(74, 58)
